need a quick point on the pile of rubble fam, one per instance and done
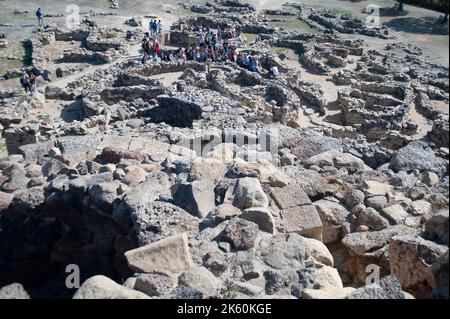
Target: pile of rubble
(209, 187)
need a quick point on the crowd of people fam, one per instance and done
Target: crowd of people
(212, 46)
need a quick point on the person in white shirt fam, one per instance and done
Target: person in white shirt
(274, 71)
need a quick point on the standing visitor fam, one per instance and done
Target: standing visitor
(150, 27)
(25, 82)
(40, 17)
(32, 80)
(159, 27)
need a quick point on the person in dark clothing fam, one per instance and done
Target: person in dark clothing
(25, 82)
(32, 80)
(40, 17)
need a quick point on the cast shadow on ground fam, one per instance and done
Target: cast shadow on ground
(425, 25)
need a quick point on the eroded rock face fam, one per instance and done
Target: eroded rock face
(411, 261)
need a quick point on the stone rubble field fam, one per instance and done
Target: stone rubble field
(187, 181)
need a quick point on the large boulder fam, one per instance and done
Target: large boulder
(333, 215)
(101, 287)
(240, 233)
(283, 252)
(386, 288)
(411, 259)
(289, 196)
(338, 160)
(249, 193)
(167, 255)
(417, 155)
(197, 197)
(437, 227)
(303, 220)
(374, 243)
(201, 279)
(13, 291)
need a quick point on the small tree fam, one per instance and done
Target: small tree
(400, 5)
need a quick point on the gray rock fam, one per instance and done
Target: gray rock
(197, 197)
(201, 279)
(437, 227)
(249, 193)
(240, 233)
(261, 217)
(371, 218)
(154, 284)
(387, 288)
(354, 197)
(303, 220)
(417, 155)
(411, 259)
(332, 215)
(101, 287)
(277, 281)
(183, 292)
(283, 252)
(377, 202)
(13, 291)
(167, 255)
(289, 196)
(373, 243)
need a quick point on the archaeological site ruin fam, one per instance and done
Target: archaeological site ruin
(224, 149)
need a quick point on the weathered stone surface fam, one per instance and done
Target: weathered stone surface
(310, 181)
(240, 233)
(154, 284)
(13, 291)
(259, 216)
(411, 259)
(200, 278)
(372, 243)
(303, 220)
(326, 277)
(249, 193)
(416, 155)
(101, 287)
(223, 212)
(374, 188)
(371, 218)
(327, 293)
(437, 227)
(338, 160)
(395, 214)
(387, 288)
(197, 197)
(332, 215)
(286, 251)
(207, 168)
(319, 251)
(5, 201)
(167, 255)
(354, 197)
(289, 196)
